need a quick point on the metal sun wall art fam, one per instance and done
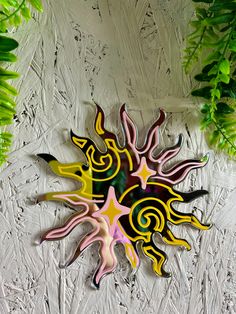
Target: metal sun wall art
(126, 195)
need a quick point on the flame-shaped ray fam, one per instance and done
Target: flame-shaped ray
(100, 128)
(157, 256)
(168, 153)
(190, 196)
(170, 238)
(177, 218)
(179, 172)
(70, 224)
(127, 195)
(108, 262)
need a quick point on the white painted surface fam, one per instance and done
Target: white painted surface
(112, 51)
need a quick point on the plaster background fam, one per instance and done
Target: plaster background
(112, 51)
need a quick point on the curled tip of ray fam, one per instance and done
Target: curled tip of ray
(96, 284)
(67, 264)
(62, 266)
(205, 158)
(46, 157)
(72, 134)
(166, 274)
(43, 238)
(40, 198)
(37, 200)
(187, 248)
(94, 101)
(209, 225)
(162, 116)
(180, 140)
(122, 108)
(133, 271)
(37, 242)
(99, 108)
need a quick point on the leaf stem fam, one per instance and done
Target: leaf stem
(224, 136)
(195, 49)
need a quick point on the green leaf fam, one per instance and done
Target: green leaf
(7, 44)
(7, 88)
(221, 19)
(5, 121)
(217, 45)
(229, 90)
(37, 5)
(204, 92)
(5, 75)
(223, 108)
(225, 28)
(216, 93)
(214, 137)
(222, 143)
(224, 78)
(206, 122)
(222, 6)
(208, 67)
(195, 24)
(203, 77)
(202, 13)
(7, 110)
(205, 108)
(16, 20)
(212, 35)
(7, 57)
(3, 27)
(212, 57)
(214, 70)
(5, 98)
(4, 2)
(26, 13)
(224, 67)
(232, 46)
(204, 1)
(225, 1)
(5, 142)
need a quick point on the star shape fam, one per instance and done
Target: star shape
(143, 172)
(112, 210)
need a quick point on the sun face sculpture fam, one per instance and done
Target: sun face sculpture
(126, 195)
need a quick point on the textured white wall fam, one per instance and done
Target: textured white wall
(112, 51)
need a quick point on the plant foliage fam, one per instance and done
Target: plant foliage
(213, 40)
(11, 14)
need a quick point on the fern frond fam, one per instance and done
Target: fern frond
(11, 14)
(5, 143)
(214, 40)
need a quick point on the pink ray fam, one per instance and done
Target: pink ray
(169, 153)
(81, 200)
(64, 230)
(177, 173)
(152, 139)
(130, 131)
(107, 264)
